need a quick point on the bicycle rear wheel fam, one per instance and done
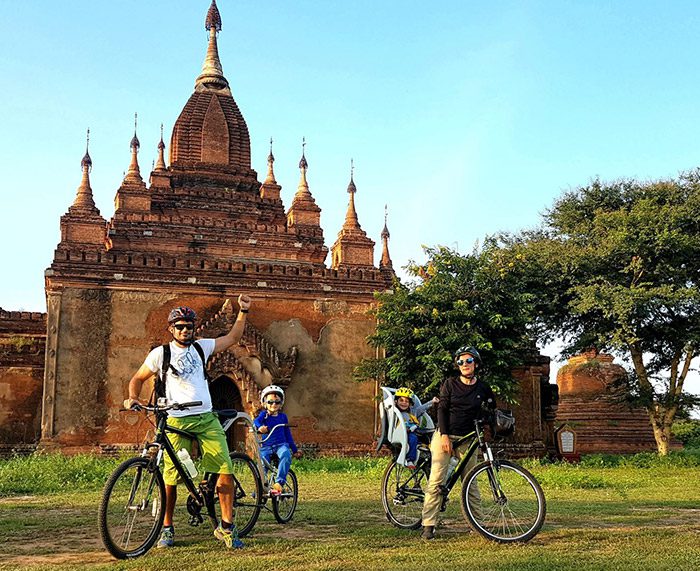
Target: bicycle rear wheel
(403, 491)
(284, 505)
(131, 512)
(503, 502)
(247, 493)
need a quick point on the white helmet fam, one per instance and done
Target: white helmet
(271, 389)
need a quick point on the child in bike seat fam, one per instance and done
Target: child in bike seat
(275, 441)
(404, 400)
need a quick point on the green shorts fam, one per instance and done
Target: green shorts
(213, 449)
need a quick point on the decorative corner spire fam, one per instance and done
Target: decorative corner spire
(302, 163)
(213, 19)
(160, 163)
(135, 144)
(352, 189)
(385, 231)
(303, 188)
(133, 174)
(270, 169)
(212, 76)
(87, 161)
(351, 221)
(385, 262)
(84, 202)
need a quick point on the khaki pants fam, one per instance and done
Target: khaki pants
(438, 470)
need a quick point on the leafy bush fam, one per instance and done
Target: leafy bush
(688, 432)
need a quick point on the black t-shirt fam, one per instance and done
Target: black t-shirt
(460, 405)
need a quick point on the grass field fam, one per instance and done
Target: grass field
(618, 517)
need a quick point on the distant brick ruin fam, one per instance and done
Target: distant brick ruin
(589, 402)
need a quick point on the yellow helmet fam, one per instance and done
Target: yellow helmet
(404, 392)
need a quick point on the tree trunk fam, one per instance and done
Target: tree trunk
(662, 434)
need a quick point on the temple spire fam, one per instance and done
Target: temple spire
(270, 189)
(84, 201)
(212, 76)
(304, 211)
(160, 163)
(270, 163)
(351, 220)
(385, 263)
(133, 174)
(303, 188)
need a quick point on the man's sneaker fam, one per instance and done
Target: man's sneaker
(167, 537)
(276, 489)
(428, 532)
(230, 539)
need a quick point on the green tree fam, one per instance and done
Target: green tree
(453, 300)
(615, 266)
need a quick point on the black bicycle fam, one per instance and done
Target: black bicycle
(131, 512)
(500, 499)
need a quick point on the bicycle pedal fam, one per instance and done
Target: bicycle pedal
(195, 520)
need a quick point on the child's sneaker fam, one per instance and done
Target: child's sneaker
(276, 489)
(411, 465)
(167, 537)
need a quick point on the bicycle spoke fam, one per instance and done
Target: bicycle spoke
(503, 502)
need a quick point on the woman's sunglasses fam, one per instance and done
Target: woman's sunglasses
(468, 360)
(273, 401)
(181, 326)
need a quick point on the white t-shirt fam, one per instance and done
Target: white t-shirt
(189, 383)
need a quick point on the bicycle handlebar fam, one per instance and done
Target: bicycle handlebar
(268, 434)
(171, 406)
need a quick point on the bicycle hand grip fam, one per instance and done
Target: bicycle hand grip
(183, 405)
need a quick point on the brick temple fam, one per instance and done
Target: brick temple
(198, 230)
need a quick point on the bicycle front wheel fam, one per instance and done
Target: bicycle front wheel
(403, 491)
(247, 493)
(503, 502)
(131, 512)
(284, 505)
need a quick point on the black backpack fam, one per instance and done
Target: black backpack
(159, 386)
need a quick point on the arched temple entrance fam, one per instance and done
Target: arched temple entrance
(225, 395)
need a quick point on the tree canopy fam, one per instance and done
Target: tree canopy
(616, 266)
(454, 300)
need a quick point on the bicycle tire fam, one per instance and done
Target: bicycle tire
(511, 507)
(132, 509)
(403, 492)
(284, 505)
(247, 493)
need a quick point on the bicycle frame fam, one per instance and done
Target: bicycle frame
(262, 465)
(248, 421)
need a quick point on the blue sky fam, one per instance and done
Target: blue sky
(466, 118)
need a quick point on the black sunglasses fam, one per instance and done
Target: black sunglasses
(468, 360)
(181, 326)
(273, 401)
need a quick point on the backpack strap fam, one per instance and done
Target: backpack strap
(200, 351)
(160, 379)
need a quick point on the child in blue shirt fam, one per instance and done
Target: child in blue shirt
(279, 441)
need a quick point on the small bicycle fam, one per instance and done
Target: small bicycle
(501, 500)
(253, 496)
(130, 516)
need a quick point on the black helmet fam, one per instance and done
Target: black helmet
(468, 350)
(182, 313)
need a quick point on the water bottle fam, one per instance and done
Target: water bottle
(451, 467)
(187, 462)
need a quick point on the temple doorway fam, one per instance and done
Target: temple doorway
(225, 395)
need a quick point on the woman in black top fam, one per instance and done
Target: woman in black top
(461, 400)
